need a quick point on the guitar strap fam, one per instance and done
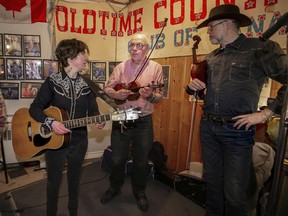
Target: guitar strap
(99, 92)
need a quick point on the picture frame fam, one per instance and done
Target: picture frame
(32, 45)
(14, 69)
(12, 45)
(98, 70)
(1, 45)
(33, 69)
(10, 90)
(30, 89)
(2, 69)
(87, 71)
(166, 74)
(50, 67)
(111, 67)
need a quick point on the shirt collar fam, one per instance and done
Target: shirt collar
(234, 45)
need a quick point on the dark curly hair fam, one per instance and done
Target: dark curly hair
(69, 48)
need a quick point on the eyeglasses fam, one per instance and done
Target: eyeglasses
(210, 27)
(137, 45)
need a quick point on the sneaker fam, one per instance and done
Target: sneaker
(109, 195)
(141, 201)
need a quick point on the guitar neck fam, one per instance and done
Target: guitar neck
(80, 122)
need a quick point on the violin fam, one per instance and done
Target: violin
(134, 87)
(199, 68)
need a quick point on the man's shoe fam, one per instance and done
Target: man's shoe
(141, 201)
(109, 195)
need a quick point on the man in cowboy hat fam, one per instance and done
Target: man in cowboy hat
(236, 73)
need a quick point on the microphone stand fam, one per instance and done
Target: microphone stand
(278, 174)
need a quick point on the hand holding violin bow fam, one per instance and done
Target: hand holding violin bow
(198, 72)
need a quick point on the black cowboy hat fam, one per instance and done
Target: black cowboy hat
(226, 11)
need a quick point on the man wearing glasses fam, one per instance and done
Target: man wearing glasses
(236, 73)
(132, 84)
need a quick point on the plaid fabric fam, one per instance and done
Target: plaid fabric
(2, 113)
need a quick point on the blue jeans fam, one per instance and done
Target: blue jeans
(227, 160)
(139, 139)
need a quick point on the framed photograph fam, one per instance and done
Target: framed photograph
(13, 45)
(50, 67)
(98, 71)
(166, 74)
(1, 45)
(30, 89)
(14, 69)
(10, 90)
(111, 66)
(2, 69)
(32, 45)
(33, 69)
(87, 71)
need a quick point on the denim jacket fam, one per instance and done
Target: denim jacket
(237, 73)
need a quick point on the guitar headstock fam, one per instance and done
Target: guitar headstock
(126, 114)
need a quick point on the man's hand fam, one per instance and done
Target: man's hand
(146, 92)
(196, 85)
(252, 119)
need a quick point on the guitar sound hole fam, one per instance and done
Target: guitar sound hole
(40, 141)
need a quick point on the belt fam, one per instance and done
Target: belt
(218, 120)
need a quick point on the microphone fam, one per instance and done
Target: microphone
(282, 21)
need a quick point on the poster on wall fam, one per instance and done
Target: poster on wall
(1, 44)
(50, 67)
(32, 45)
(2, 69)
(98, 71)
(33, 69)
(13, 45)
(111, 67)
(10, 90)
(15, 69)
(30, 89)
(166, 73)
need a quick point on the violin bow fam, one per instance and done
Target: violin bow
(146, 59)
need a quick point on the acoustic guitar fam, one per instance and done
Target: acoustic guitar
(31, 138)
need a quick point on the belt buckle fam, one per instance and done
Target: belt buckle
(219, 120)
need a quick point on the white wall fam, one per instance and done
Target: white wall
(98, 139)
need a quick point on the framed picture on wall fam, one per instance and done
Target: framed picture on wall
(50, 67)
(32, 45)
(10, 90)
(14, 69)
(30, 89)
(87, 72)
(1, 45)
(111, 66)
(2, 69)
(12, 45)
(33, 69)
(166, 74)
(98, 71)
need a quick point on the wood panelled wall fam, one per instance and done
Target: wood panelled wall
(172, 116)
